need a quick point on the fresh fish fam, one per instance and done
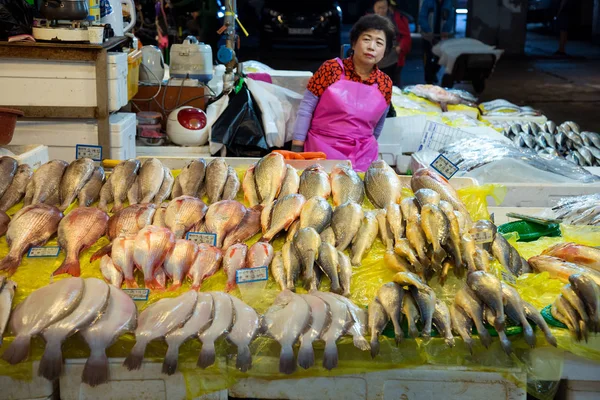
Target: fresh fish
(110, 273)
(469, 249)
(223, 217)
(248, 227)
(345, 273)
(559, 269)
(570, 315)
(436, 228)
(328, 261)
(427, 178)
(501, 251)
(396, 263)
(156, 321)
(8, 169)
(4, 221)
(15, 192)
(165, 188)
(454, 239)
(403, 249)
(391, 296)
(589, 292)
(7, 293)
(269, 174)
(265, 216)
(534, 316)
(575, 253)
(179, 261)
(489, 290)
(346, 185)
(116, 187)
(78, 231)
(292, 230)
(427, 196)
(122, 258)
(482, 260)
(199, 321)
(591, 139)
(408, 279)
(314, 182)
(346, 222)
(514, 309)
(152, 246)
(462, 221)
(215, 179)
(385, 231)
(190, 180)
(285, 211)
(321, 319)
(277, 269)
(395, 221)
(307, 243)
(316, 213)
(358, 324)
(291, 182)
(425, 299)
(473, 307)
(207, 263)
(249, 187)
(577, 304)
(411, 311)
(242, 332)
(44, 186)
(147, 183)
(183, 213)
(462, 324)
(119, 317)
(232, 185)
(364, 238)
(443, 322)
(416, 238)
(77, 174)
(291, 264)
(90, 192)
(490, 318)
(341, 320)
(285, 321)
(327, 236)
(91, 306)
(31, 226)
(224, 315)
(382, 185)
(259, 255)
(234, 259)
(378, 319)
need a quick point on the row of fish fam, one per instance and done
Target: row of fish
(579, 210)
(566, 140)
(560, 269)
(217, 180)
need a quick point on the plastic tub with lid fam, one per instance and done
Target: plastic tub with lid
(191, 59)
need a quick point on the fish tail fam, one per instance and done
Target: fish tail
(244, 358)
(171, 360)
(18, 350)
(469, 343)
(450, 341)
(135, 358)
(584, 330)
(398, 333)
(207, 355)
(484, 337)
(229, 286)
(506, 345)
(95, 371)
(131, 283)
(10, 263)
(330, 356)
(287, 364)
(529, 334)
(51, 362)
(118, 206)
(175, 286)
(70, 266)
(306, 355)
(374, 345)
(412, 330)
(101, 253)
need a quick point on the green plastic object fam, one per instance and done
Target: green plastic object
(547, 314)
(530, 231)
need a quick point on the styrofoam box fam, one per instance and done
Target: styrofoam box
(33, 154)
(27, 82)
(62, 135)
(148, 383)
(38, 388)
(543, 194)
(583, 378)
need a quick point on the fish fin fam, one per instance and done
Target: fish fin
(117, 206)
(287, 364)
(529, 334)
(131, 284)
(306, 355)
(398, 335)
(71, 267)
(374, 346)
(51, 362)
(101, 252)
(584, 330)
(18, 350)
(506, 346)
(230, 286)
(485, 338)
(244, 358)
(207, 355)
(551, 339)
(174, 287)
(469, 344)
(450, 342)
(95, 371)
(10, 264)
(135, 358)
(361, 343)
(171, 360)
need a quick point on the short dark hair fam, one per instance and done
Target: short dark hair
(374, 22)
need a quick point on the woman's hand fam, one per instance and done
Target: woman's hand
(297, 146)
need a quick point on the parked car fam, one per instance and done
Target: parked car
(301, 22)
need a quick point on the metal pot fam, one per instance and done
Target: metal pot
(76, 10)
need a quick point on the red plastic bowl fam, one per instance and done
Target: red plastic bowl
(8, 121)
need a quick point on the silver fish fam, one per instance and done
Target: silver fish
(316, 213)
(147, 183)
(327, 236)
(391, 296)
(490, 318)
(462, 324)
(378, 319)
(190, 180)
(364, 238)
(249, 187)
(514, 309)
(346, 221)
(44, 186)
(269, 174)
(242, 332)
(425, 299)
(314, 182)
(427, 196)
(15, 192)
(345, 273)
(232, 185)
(118, 184)
(8, 169)
(411, 311)
(453, 232)
(215, 179)
(489, 290)
(307, 243)
(328, 261)
(385, 231)
(278, 272)
(468, 302)
(91, 190)
(321, 319)
(341, 320)
(382, 185)
(165, 188)
(285, 211)
(436, 228)
(291, 181)
(346, 185)
(395, 221)
(534, 316)
(442, 322)
(7, 293)
(77, 174)
(292, 264)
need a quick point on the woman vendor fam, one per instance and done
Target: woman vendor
(346, 101)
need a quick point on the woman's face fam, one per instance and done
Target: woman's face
(369, 49)
(381, 8)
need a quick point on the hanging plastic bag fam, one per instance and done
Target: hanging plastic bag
(239, 128)
(16, 18)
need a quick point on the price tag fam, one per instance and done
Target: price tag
(247, 275)
(508, 277)
(444, 166)
(202, 237)
(40, 252)
(483, 236)
(137, 294)
(88, 151)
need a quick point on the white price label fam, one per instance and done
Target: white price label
(202, 237)
(88, 151)
(444, 166)
(137, 294)
(508, 277)
(247, 275)
(483, 236)
(437, 135)
(50, 251)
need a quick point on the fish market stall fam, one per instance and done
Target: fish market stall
(260, 279)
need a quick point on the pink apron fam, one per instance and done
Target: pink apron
(344, 120)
